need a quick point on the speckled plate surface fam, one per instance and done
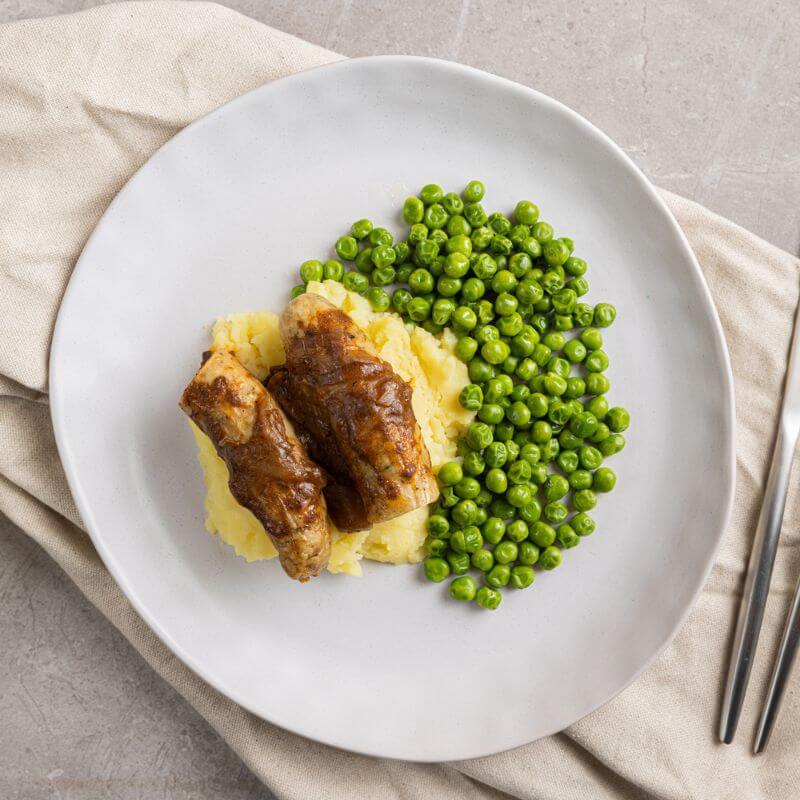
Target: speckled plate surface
(216, 222)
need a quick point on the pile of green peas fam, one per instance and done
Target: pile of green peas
(531, 464)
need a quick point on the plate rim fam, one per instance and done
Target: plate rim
(57, 401)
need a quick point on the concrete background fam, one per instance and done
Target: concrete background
(705, 96)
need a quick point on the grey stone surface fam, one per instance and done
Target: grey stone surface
(705, 96)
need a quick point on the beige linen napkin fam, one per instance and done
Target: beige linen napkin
(84, 100)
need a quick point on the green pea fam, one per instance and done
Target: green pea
(400, 300)
(544, 306)
(346, 248)
(542, 231)
(614, 443)
(495, 351)
(555, 512)
(384, 276)
(582, 315)
(450, 473)
(598, 406)
(575, 351)
(501, 245)
(539, 473)
(505, 304)
(555, 487)
(479, 371)
(493, 530)
(580, 479)
(363, 261)
(418, 309)
(532, 512)
(528, 554)
(578, 285)
(540, 322)
(517, 531)
(582, 524)
(597, 361)
(590, 457)
(468, 488)
(519, 414)
(583, 424)
(550, 450)
(542, 534)
(484, 267)
(602, 433)
(436, 569)
(481, 238)
(378, 298)
(438, 526)
(555, 252)
(519, 265)
(568, 461)
(520, 392)
(521, 577)
(550, 558)
(575, 266)
(552, 283)
(576, 387)
(554, 340)
(463, 513)
(486, 333)
(463, 589)
(402, 252)
(526, 212)
(380, 237)
(488, 598)
(604, 480)
(413, 210)
(506, 552)
(538, 405)
(513, 451)
(447, 286)
(604, 315)
(504, 281)
(559, 366)
(452, 203)
(491, 413)
(417, 233)
(361, 228)
(498, 576)
(519, 472)
(541, 432)
(541, 354)
(435, 217)
(526, 369)
(447, 497)
(459, 562)
(495, 455)
(483, 499)
(431, 193)
(442, 310)
(473, 192)
(555, 384)
(481, 516)
(465, 349)
(482, 560)
(403, 272)
(529, 291)
(567, 537)
(426, 252)
(584, 500)
(472, 290)
(472, 539)
(478, 436)
(456, 262)
(499, 223)
(531, 453)
(471, 396)
(355, 282)
(383, 255)
(475, 214)
(597, 383)
(618, 419)
(496, 481)
(519, 496)
(510, 326)
(592, 338)
(311, 270)
(421, 281)
(457, 226)
(333, 270)
(437, 548)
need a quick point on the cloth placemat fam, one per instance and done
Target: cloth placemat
(84, 100)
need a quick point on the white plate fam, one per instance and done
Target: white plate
(216, 222)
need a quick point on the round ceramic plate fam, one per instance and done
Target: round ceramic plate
(217, 221)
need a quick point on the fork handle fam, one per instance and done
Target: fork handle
(756, 587)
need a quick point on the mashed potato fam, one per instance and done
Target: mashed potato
(436, 377)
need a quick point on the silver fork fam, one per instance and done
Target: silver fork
(759, 571)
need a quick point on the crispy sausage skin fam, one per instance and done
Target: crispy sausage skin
(355, 413)
(270, 472)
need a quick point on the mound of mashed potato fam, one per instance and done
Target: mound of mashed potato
(436, 377)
